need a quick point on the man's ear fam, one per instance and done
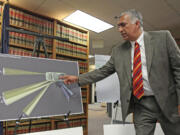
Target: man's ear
(138, 23)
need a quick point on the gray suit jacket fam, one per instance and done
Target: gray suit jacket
(163, 66)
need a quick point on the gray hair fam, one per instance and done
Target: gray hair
(134, 15)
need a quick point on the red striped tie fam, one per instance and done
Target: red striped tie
(138, 90)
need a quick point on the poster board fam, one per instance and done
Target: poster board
(30, 88)
(108, 89)
(126, 129)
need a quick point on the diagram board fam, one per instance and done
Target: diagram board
(31, 88)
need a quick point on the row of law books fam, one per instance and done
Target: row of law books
(72, 123)
(41, 25)
(25, 52)
(71, 34)
(30, 22)
(27, 40)
(25, 128)
(71, 49)
(83, 65)
(84, 94)
(1, 10)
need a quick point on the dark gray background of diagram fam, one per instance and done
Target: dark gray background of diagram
(53, 102)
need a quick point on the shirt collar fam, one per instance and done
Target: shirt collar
(140, 40)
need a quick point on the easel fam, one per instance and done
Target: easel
(117, 115)
(114, 116)
(37, 46)
(18, 122)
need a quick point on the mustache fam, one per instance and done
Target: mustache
(123, 33)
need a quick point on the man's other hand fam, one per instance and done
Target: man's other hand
(179, 109)
(69, 79)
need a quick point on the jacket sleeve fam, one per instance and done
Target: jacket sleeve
(174, 57)
(98, 74)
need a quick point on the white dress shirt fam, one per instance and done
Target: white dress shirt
(147, 88)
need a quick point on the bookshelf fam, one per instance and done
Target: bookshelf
(76, 49)
(29, 21)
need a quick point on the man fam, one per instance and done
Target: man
(148, 67)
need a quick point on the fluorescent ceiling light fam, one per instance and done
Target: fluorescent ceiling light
(87, 21)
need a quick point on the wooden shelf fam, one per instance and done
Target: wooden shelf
(28, 29)
(73, 117)
(33, 30)
(73, 26)
(84, 101)
(83, 72)
(67, 55)
(27, 47)
(77, 43)
(83, 44)
(85, 87)
(43, 120)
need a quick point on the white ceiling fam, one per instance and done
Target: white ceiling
(158, 14)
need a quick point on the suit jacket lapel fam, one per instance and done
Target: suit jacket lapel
(149, 47)
(127, 60)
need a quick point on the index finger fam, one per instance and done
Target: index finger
(63, 77)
